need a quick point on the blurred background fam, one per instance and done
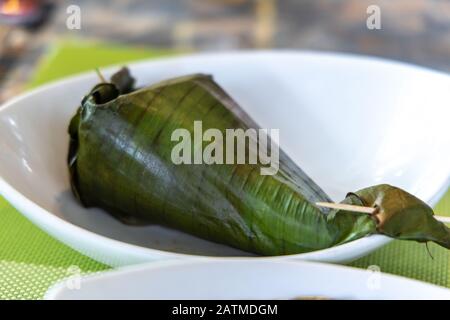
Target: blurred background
(416, 31)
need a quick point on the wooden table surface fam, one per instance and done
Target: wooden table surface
(416, 31)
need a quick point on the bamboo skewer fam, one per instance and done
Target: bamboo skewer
(362, 209)
(99, 74)
(348, 207)
(443, 219)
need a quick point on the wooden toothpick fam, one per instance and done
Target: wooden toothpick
(99, 74)
(363, 209)
(443, 219)
(348, 207)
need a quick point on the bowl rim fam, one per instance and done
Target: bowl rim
(55, 291)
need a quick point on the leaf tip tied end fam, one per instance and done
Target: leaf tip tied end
(401, 215)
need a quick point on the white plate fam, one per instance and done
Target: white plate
(348, 121)
(242, 279)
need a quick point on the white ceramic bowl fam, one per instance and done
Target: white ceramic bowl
(348, 121)
(242, 279)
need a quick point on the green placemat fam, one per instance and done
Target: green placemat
(31, 260)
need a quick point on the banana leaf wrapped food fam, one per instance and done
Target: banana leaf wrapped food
(121, 160)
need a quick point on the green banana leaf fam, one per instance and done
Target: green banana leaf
(120, 160)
